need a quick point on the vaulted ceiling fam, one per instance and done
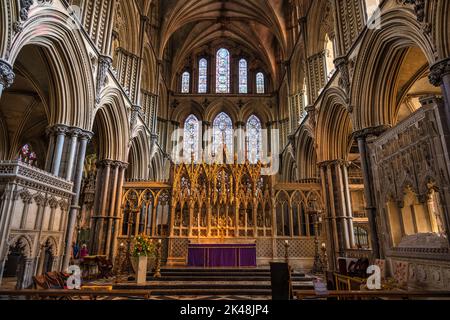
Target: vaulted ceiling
(258, 25)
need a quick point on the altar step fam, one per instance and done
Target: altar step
(221, 274)
(216, 282)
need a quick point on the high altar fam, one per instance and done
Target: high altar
(222, 215)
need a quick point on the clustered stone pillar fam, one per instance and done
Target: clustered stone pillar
(440, 77)
(369, 193)
(79, 140)
(65, 159)
(339, 220)
(106, 218)
(6, 76)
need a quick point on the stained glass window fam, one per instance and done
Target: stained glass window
(254, 139)
(26, 155)
(185, 82)
(223, 136)
(260, 85)
(191, 138)
(243, 76)
(202, 75)
(223, 71)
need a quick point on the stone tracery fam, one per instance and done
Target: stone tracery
(352, 104)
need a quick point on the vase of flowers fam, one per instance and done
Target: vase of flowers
(143, 248)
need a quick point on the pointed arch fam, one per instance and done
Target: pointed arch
(69, 61)
(378, 64)
(112, 124)
(334, 127)
(254, 139)
(223, 136)
(223, 71)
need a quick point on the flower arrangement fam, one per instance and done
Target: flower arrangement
(143, 246)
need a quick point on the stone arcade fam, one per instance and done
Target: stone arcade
(99, 99)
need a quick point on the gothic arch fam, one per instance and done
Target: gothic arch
(6, 14)
(306, 155)
(378, 64)
(25, 242)
(288, 166)
(334, 127)
(297, 68)
(69, 62)
(157, 168)
(148, 75)
(139, 156)
(261, 111)
(184, 110)
(442, 28)
(113, 126)
(222, 105)
(320, 22)
(128, 26)
(184, 12)
(53, 245)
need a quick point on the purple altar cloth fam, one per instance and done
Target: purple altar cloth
(222, 255)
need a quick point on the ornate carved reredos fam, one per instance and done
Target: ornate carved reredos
(406, 156)
(349, 99)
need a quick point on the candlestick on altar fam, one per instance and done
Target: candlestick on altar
(286, 251)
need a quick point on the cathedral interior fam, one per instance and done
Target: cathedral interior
(310, 131)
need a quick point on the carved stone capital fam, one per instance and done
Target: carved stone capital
(311, 110)
(6, 74)
(104, 64)
(74, 132)
(135, 112)
(438, 71)
(344, 79)
(372, 131)
(332, 163)
(419, 8)
(86, 135)
(104, 163)
(60, 129)
(25, 6)
(123, 165)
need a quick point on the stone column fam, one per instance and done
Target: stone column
(101, 214)
(111, 214)
(117, 208)
(335, 215)
(107, 212)
(6, 76)
(348, 202)
(341, 191)
(7, 204)
(74, 134)
(60, 132)
(361, 136)
(95, 212)
(440, 76)
(84, 138)
(26, 274)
